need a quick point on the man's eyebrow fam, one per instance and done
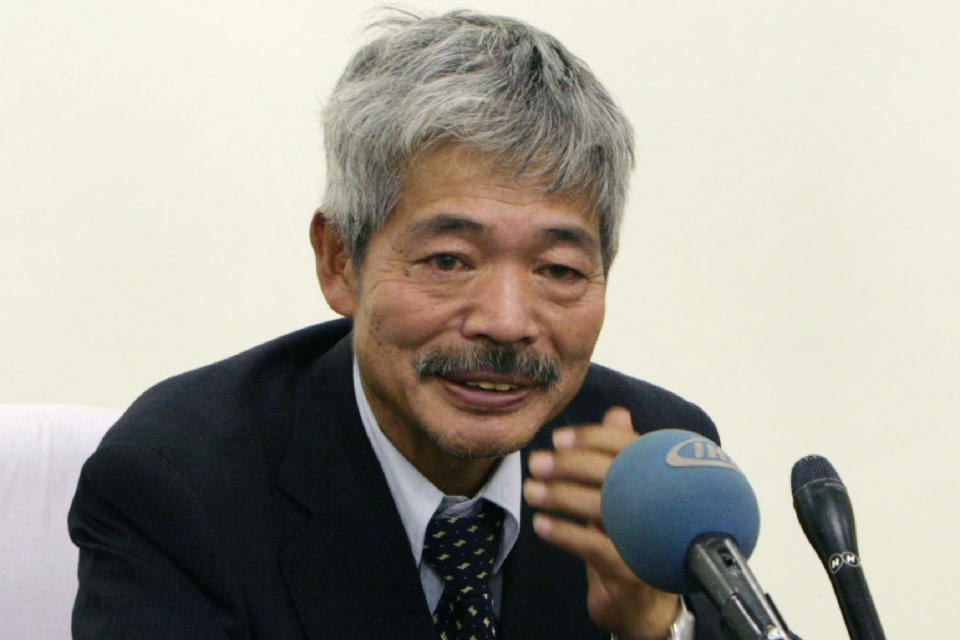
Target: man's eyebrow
(573, 235)
(446, 223)
(452, 223)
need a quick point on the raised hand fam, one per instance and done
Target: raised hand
(566, 487)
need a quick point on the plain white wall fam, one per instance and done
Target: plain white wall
(788, 262)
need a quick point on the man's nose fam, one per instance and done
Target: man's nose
(502, 307)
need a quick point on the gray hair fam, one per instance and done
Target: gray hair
(494, 83)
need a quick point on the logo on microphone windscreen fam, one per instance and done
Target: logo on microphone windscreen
(699, 452)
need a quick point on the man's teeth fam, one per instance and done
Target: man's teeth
(492, 386)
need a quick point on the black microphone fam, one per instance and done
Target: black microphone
(826, 515)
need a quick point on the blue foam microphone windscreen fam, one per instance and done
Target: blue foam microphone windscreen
(662, 491)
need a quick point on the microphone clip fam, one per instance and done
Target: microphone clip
(745, 610)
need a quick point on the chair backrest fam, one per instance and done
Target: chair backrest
(42, 448)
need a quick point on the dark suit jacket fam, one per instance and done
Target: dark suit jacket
(243, 500)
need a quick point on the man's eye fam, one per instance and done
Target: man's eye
(445, 261)
(561, 272)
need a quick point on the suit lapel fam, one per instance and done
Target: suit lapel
(349, 570)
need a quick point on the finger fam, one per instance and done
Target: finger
(571, 499)
(585, 541)
(608, 437)
(581, 465)
(618, 417)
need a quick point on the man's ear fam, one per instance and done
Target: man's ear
(334, 267)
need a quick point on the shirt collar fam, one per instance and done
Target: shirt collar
(417, 499)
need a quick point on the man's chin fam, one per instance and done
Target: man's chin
(491, 445)
(477, 451)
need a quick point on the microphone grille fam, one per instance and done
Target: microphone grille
(810, 468)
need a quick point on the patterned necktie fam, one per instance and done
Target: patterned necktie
(462, 551)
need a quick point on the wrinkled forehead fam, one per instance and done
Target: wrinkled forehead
(459, 168)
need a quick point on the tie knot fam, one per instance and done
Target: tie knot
(463, 549)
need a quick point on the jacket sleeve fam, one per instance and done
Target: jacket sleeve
(150, 567)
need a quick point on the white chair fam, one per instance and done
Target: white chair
(42, 448)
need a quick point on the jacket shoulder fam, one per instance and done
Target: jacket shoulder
(226, 394)
(651, 407)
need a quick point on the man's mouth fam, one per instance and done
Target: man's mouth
(487, 392)
(490, 386)
(490, 381)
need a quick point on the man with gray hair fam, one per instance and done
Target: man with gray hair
(429, 466)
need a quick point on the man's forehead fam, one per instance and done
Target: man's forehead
(455, 167)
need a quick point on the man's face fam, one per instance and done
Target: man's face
(476, 309)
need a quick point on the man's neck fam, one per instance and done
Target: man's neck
(453, 475)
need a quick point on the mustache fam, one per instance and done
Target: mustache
(527, 363)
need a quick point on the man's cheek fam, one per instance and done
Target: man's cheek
(578, 332)
(408, 319)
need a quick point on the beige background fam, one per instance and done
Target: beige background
(789, 260)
